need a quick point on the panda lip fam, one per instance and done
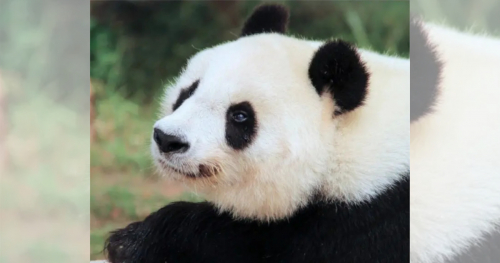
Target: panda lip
(190, 175)
(203, 170)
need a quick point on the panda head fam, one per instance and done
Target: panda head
(258, 125)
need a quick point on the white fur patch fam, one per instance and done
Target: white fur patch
(299, 146)
(455, 151)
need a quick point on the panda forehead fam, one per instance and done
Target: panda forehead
(261, 60)
(263, 50)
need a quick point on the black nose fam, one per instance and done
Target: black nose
(169, 143)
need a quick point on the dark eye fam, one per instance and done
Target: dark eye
(191, 92)
(239, 116)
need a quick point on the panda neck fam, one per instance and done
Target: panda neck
(392, 200)
(370, 145)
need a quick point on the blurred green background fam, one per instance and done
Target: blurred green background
(476, 16)
(137, 47)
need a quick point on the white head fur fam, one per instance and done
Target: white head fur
(455, 149)
(300, 148)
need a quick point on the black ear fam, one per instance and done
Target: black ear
(337, 68)
(266, 19)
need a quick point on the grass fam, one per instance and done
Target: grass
(123, 131)
(124, 187)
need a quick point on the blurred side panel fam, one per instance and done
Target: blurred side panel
(455, 147)
(44, 131)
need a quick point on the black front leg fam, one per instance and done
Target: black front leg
(124, 244)
(158, 237)
(164, 236)
(185, 232)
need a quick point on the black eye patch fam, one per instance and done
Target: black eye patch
(241, 125)
(185, 94)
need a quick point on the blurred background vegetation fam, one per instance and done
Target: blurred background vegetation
(136, 47)
(477, 16)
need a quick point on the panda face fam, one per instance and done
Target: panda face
(244, 116)
(261, 124)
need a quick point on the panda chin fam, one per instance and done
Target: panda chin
(188, 174)
(204, 171)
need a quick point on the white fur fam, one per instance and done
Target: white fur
(455, 151)
(299, 145)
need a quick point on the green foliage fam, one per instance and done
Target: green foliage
(115, 197)
(105, 53)
(477, 16)
(123, 128)
(380, 26)
(152, 42)
(97, 239)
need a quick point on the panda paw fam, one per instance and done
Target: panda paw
(148, 241)
(124, 244)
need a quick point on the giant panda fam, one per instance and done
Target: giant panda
(455, 145)
(301, 149)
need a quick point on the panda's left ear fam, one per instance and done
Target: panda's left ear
(337, 68)
(270, 18)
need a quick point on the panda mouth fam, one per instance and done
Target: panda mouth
(204, 171)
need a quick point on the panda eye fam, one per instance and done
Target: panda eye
(239, 116)
(191, 92)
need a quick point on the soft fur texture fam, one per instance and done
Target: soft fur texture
(336, 69)
(300, 145)
(302, 176)
(455, 149)
(266, 19)
(425, 67)
(320, 233)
